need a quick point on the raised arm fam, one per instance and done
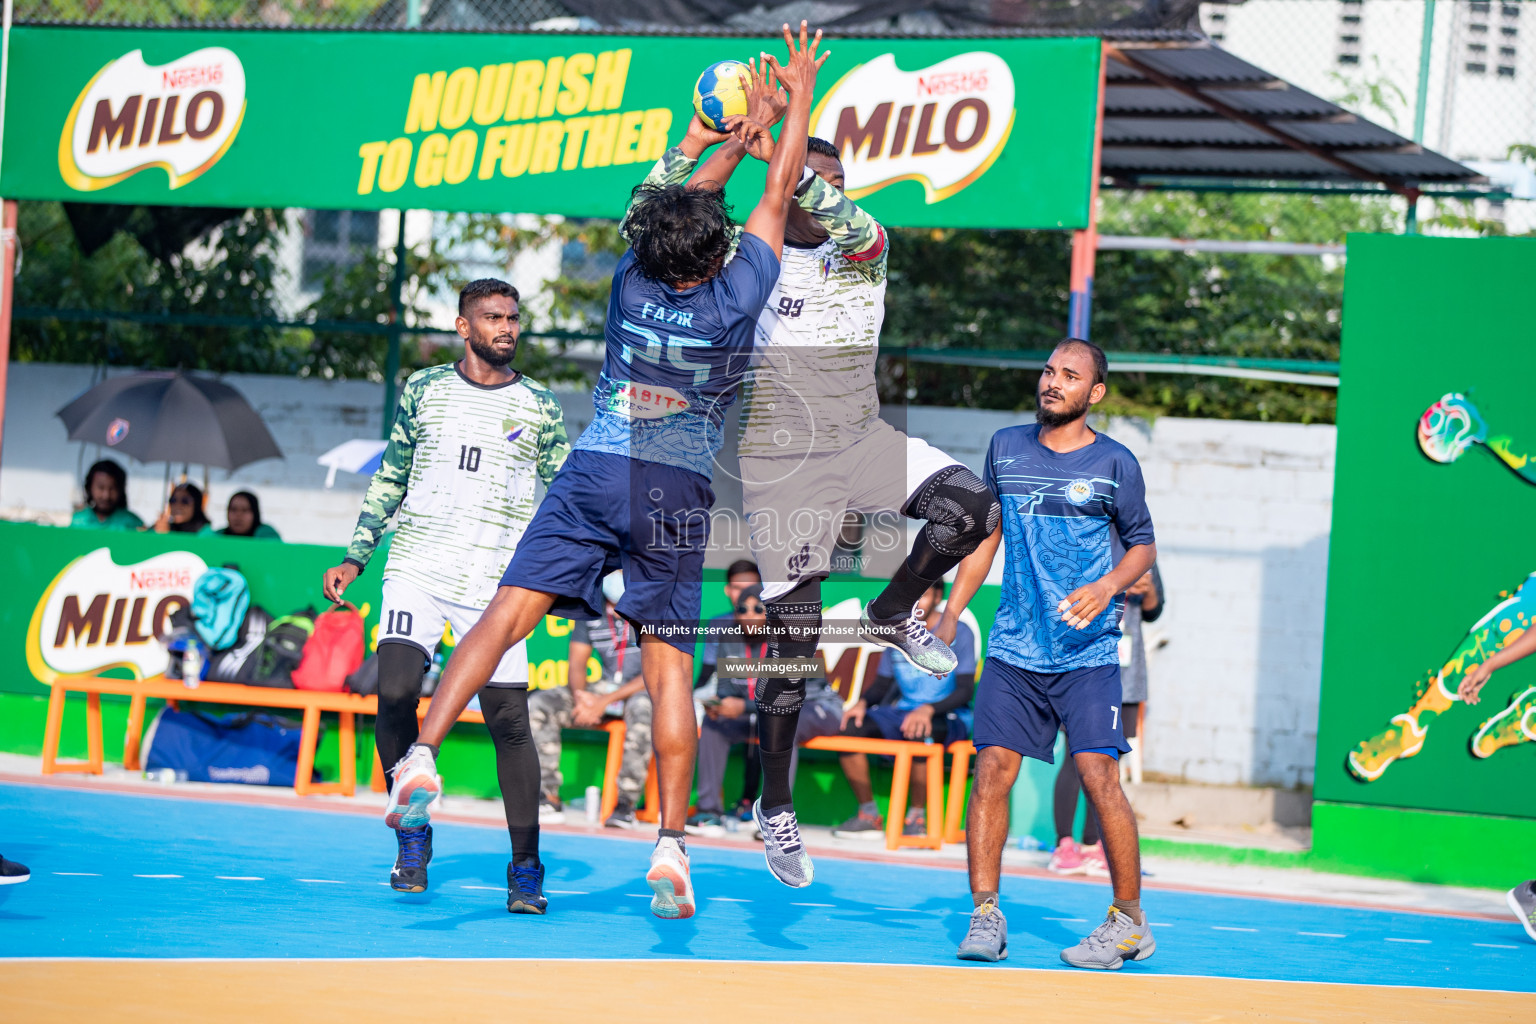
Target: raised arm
(787, 166)
(554, 445)
(856, 234)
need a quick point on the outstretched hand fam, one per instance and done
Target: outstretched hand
(753, 136)
(798, 76)
(702, 135)
(766, 102)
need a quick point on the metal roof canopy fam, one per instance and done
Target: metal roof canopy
(1185, 114)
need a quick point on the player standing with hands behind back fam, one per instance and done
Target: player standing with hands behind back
(458, 476)
(1053, 656)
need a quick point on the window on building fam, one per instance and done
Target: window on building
(1480, 7)
(1509, 31)
(1351, 19)
(1475, 68)
(1350, 40)
(1511, 10)
(335, 240)
(1349, 58)
(1507, 52)
(1506, 71)
(1477, 50)
(1477, 29)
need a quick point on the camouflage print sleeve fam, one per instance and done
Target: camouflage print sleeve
(387, 488)
(554, 446)
(857, 235)
(673, 168)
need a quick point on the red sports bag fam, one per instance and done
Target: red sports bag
(333, 651)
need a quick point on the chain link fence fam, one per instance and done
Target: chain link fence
(1459, 76)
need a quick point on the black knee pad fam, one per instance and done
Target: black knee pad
(780, 696)
(401, 670)
(961, 512)
(794, 621)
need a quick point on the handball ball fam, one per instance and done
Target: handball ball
(719, 95)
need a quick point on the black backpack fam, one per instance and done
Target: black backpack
(281, 651)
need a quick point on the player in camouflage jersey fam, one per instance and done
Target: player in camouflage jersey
(468, 446)
(814, 448)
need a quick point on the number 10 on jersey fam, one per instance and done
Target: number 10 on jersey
(469, 459)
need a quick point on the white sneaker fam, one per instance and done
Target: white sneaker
(549, 814)
(417, 784)
(669, 880)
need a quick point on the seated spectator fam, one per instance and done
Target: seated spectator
(907, 703)
(243, 516)
(728, 715)
(1143, 603)
(741, 573)
(106, 500)
(184, 512)
(617, 689)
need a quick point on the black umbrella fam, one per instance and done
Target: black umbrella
(171, 417)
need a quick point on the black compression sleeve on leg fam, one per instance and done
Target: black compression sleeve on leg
(794, 625)
(961, 513)
(517, 768)
(401, 670)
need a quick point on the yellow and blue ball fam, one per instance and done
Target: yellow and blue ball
(719, 95)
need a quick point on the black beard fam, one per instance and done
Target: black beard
(1049, 418)
(490, 354)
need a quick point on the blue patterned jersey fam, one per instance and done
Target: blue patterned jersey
(675, 360)
(1057, 513)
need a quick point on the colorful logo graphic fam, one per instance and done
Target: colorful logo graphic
(1453, 424)
(116, 431)
(942, 126)
(1080, 492)
(181, 117)
(97, 615)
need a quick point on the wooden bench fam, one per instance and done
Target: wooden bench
(310, 702)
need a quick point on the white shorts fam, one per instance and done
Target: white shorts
(413, 616)
(795, 505)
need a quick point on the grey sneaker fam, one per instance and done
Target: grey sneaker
(1522, 900)
(705, 824)
(1111, 944)
(782, 848)
(987, 937)
(909, 636)
(622, 817)
(860, 826)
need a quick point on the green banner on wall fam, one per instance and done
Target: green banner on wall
(1433, 511)
(952, 132)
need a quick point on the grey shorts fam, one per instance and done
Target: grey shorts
(795, 505)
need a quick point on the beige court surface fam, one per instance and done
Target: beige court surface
(684, 992)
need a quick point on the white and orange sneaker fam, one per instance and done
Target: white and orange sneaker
(669, 880)
(417, 784)
(1095, 864)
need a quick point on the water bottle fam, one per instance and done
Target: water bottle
(593, 804)
(192, 666)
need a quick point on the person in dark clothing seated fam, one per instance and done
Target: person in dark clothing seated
(106, 500)
(184, 512)
(908, 703)
(243, 516)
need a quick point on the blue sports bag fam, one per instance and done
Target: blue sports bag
(253, 748)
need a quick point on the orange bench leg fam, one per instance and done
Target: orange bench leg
(348, 734)
(52, 729)
(651, 812)
(309, 738)
(935, 810)
(616, 732)
(93, 733)
(378, 781)
(896, 813)
(954, 812)
(133, 735)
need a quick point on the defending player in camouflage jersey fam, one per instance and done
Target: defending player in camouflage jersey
(814, 448)
(469, 444)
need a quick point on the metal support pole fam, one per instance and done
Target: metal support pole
(396, 321)
(413, 13)
(1426, 43)
(1085, 243)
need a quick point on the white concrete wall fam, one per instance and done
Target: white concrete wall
(1241, 510)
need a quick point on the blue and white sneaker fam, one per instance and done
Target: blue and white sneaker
(12, 873)
(416, 785)
(410, 873)
(909, 636)
(525, 890)
(782, 847)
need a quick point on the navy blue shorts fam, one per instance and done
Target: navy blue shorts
(884, 722)
(1021, 710)
(605, 512)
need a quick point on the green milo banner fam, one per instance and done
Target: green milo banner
(90, 600)
(953, 132)
(1434, 529)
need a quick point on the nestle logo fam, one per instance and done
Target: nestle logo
(952, 82)
(183, 78)
(160, 579)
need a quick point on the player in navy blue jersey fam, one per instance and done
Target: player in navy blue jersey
(1052, 658)
(635, 492)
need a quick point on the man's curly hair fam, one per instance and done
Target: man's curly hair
(679, 234)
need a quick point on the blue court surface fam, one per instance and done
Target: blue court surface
(118, 875)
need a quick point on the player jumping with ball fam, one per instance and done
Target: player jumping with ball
(814, 448)
(635, 492)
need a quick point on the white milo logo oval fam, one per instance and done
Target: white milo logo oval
(942, 126)
(180, 117)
